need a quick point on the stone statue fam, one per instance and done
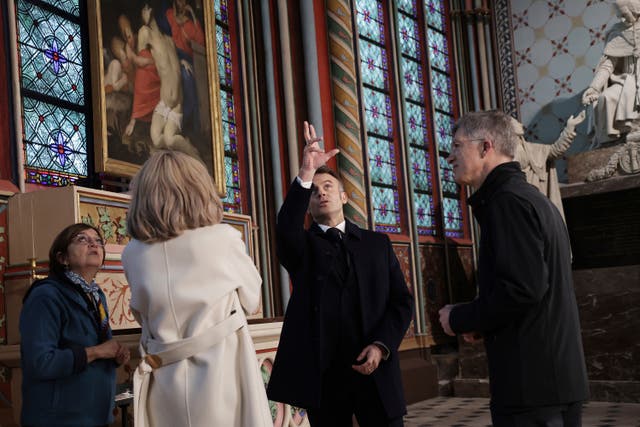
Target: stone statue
(537, 161)
(615, 89)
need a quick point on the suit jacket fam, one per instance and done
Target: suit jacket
(526, 306)
(386, 305)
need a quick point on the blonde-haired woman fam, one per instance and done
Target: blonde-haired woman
(190, 279)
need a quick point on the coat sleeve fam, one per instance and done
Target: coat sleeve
(290, 230)
(392, 327)
(247, 274)
(520, 274)
(40, 326)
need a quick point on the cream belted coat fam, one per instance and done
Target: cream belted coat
(188, 294)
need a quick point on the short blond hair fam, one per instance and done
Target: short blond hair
(171, 193)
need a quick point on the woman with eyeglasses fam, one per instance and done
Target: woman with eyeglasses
(68, 356)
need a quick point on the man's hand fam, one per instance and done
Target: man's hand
(472, 337)
(444, 319)
(372, 355)
(313, 156)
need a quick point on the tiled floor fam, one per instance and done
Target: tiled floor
(467, 412)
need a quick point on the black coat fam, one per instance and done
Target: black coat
(386, 305)
(526, 306)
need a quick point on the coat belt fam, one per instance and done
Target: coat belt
(162, 354)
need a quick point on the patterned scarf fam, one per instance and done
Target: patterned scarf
(94, 290)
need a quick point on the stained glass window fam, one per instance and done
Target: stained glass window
(416, 116)
(442, 99)
(378, 115)
(233, 200)
(52, 84)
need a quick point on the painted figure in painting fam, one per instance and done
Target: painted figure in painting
(614, 91)
(186, 31)
(166, 122)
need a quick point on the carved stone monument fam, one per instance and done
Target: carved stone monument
(613, 96)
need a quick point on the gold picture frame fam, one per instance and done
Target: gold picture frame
(141, 101)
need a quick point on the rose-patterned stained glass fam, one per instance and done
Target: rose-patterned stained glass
(381, 161)
(452, 217)
(386, 212)
(435, 14)
(50, 54)
(377, 107)
(446, 177)
(441, 91)
(69, 6)
(55, 138)
(416, 119)
(373, 65)
(52, 66)
(409, 36)
(223, 47)
(444, 123)
(420, 169)
(413, 82)
(232, 202)
(370, 20)
(438, 50)
(425, 215)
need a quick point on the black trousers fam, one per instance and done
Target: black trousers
(569, 415)
(346, 393)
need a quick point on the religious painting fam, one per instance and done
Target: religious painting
(155, 83)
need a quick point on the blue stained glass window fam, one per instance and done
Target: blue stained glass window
(386, 209)
(446, 177)
(370, 20)
(416, 124)
(425, 214)
(223, 47)
(441, 89)
(233, 199)
(420, 168)
(438, 50)
(412, 77)
(69, 6)
(409, 36)
(373, 65)
(55, 138)
(381, 161)
(444, 124)
(435, 14)
(452, 217)
(50, 54)
(378, 112)
(54, 114)
(407, 6)
(221, 10)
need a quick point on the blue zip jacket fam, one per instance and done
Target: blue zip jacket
(59, 387)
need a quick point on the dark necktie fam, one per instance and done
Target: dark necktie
(334, 235)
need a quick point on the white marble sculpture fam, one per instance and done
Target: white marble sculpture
(537, 161)
(614, 91)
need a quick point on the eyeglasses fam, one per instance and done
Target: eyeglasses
(83, 239)
(457, 143)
